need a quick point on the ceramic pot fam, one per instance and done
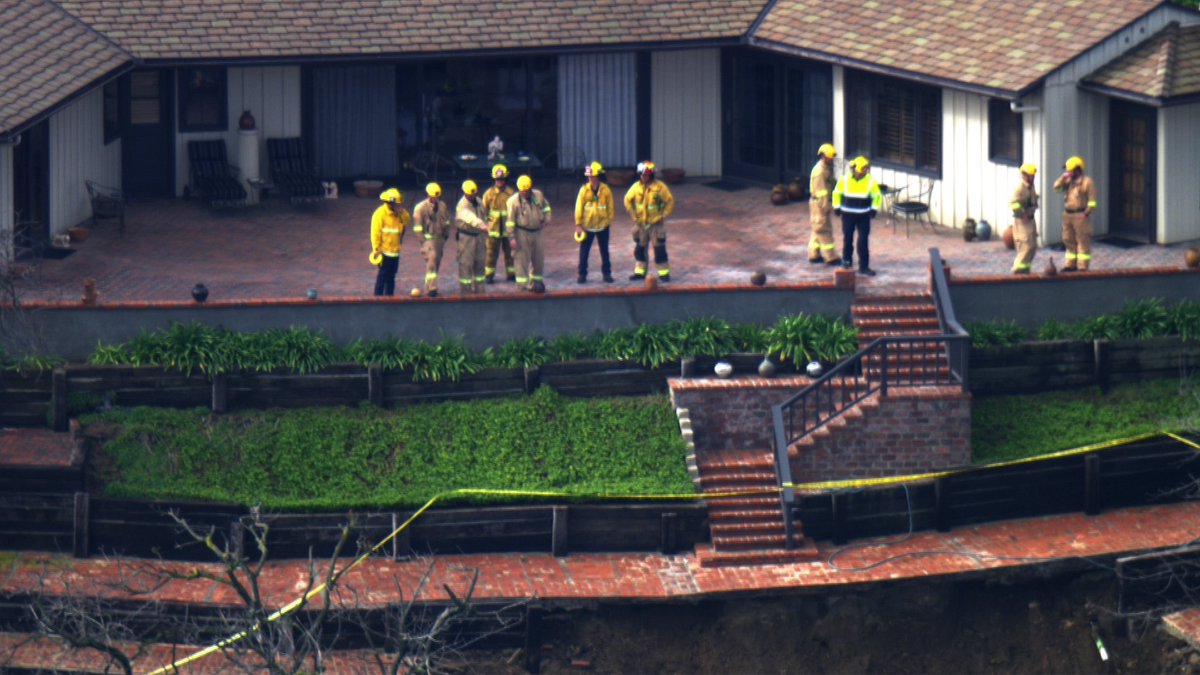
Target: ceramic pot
(199, 292)
(779, 195)
(246, 121)
(797, 190)
(1192, 257)
(766, 368)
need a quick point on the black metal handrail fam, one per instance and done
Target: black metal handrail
(871, 369)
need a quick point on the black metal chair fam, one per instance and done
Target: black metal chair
(212, 176)
(291, 172)
(915, 208)
(107, 202)
(564, 167)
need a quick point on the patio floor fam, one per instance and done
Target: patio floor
(277, 251)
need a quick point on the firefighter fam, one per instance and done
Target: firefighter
(1077, 221)
(495, 200)
(649, 202)
(387, 233)
(593, 216)
(821, 247)
(431, 219)
(856, 198)
(528, 213)
(471, 222)
(1024, 207)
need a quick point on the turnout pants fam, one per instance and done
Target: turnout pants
(820, 243)
(1025, 237)
(472, 254)
(385, 278)
(585, 249)
(494, 246)
(432, 250)
(856, 223)
(530, 257)
(1077, 237)
(643, 237)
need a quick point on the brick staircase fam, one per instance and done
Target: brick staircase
(896, 315)
(746, 530)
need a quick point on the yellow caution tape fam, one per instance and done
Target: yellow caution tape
(825, 485)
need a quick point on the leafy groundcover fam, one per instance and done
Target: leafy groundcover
(369, 457)
(1012, 427)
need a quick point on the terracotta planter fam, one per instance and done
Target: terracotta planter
(367, 188)
(1192, 257)
(620, 177)
(78, 234)
(797, 190)
(779, 195)
(672, 176)
(1009, 242)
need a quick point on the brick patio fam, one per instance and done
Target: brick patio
(277, 251)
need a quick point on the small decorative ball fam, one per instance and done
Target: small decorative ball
(311, 294)
(723, 369)
(814, 369)
(416, 292)
(199, 292)
(759, 278)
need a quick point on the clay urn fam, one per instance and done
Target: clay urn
(766, 368)
(759, 278)
(779, 195)
(199, 292)
(1051, 270)
(797, 190)
(1009, 242)
(969, 230)
(1192, 257)
(246, 121)
(984, 230)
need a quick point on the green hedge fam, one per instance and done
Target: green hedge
(1137, 319)
(198, 347)
(1012, 427)
(368, 457)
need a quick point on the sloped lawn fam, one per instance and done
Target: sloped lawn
(363, 457)
(1012, 427)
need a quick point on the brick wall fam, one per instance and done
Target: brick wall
(909, 431)
(912, 430)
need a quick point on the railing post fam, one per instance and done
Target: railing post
(783, 471)
(883, 370)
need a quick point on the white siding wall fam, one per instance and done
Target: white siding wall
(685, 124)
(972, 185)
(78, 153)
(1076, 121)
(271, 94)
(839, 109)
(6, 204)
(597, 96)
(1178, 173)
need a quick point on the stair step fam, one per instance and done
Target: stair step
(804, 551)
(872, 309)
(717, 466)
(744, 542)
(895, 322)
(737, 503)
(723, 531)
(866, 337)
(745, 514)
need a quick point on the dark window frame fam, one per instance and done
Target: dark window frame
(869, 99)
(1001, 123)
(214, 91)
(111, 111)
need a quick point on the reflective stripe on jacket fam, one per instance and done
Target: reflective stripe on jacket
(594, 208)
(857, 195)
(528, 214)
(649, 204)
(496, 203)
(387, 230)
(471, 217)
(432, 220)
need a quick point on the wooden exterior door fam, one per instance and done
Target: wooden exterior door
(1132, 204)
(147, 133)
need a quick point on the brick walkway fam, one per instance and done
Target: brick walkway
(275, 250)
(41, 448)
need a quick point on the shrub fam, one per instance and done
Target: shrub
(1142, 319)
(1055, 330)
(525, 353)
(995, 333)
(569, 347)
(1102, 327)
(703, 337)
(1184, 320)
(747, 337)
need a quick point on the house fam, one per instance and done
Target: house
(955, 93)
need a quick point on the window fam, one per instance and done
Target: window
(1004, 133)
(202, 105)
(112, 109)
(894, 122)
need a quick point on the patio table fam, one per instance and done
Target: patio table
(517, 164)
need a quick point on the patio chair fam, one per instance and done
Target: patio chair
(107, 202)
(429, 165)
(561, 166)
(291, 172)
(915, 207)
(212, 176)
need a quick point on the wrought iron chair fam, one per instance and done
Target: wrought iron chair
(107, 202)
(212, 176)
(292, 173)
(915, 207)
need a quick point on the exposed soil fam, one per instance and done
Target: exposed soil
(1043, 626)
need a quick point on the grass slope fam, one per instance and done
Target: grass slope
(361, 457)
(1011, 427)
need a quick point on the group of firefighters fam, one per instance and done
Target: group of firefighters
(509, 221)
(503, 220)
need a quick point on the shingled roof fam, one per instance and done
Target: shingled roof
(214, 29)
(1004, 47)
(1164, 68)
(48, 56)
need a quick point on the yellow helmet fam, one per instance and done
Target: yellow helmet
(827, 150)
(524, 183)
(469, 187)
(433, 190)
(1029, 168)
(593, 169)
(392, 195)
(376, 258)
(499, 171)
(1074, 163)
(860, 163)
(645, 167)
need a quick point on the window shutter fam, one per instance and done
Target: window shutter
(929, 124)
